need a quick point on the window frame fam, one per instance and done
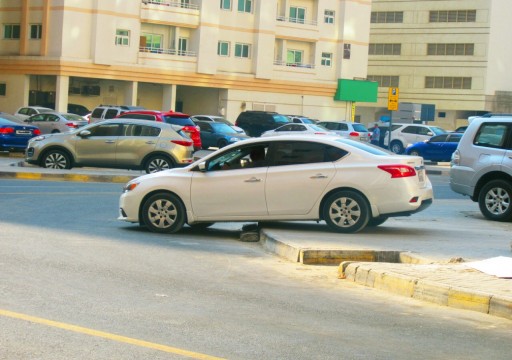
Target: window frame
(297, 18)
(3, 89)
(329, 16)
(220, 43)
(223, 4)
(326, 59)
(245, 6)
(239, 51)
(122, 38)
(294, 53)
(38, 31)
(14, 31)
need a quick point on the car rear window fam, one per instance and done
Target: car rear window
(491, 135)
(72, 117)
(359, 127)
(365, 147)
(182, 121)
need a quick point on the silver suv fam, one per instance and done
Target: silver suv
(119, 143)
(481, 166)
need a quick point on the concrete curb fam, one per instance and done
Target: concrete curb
(426, 290)
(66, 177)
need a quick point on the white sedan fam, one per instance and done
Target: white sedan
(294, 129)
(347, 184)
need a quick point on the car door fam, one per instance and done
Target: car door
(229, 192)
(39, 121)
(435, 147)
(208, 137)
(134, 143)
(52, 122)
(299, 173)
(99, 147)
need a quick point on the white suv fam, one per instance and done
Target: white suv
(481, 167)
(106, 112)
(403, 135)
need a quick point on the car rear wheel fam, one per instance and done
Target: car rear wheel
(158, 163)
(396, 147)
(377, 221)
(222, 143)
(346, 211)
(494, 200)
(56, 159)
(163, 213)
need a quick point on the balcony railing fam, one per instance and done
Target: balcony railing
(175, 3)
(292, 64)
(154, 50)
(297, 20)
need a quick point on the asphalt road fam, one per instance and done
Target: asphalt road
(76, 283)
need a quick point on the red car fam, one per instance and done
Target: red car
(170, 117)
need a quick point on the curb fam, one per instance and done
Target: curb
(427, 290)
(66, 177)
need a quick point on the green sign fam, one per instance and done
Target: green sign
(356, 90)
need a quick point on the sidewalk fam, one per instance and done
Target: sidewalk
(367, 259)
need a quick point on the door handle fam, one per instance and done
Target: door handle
(150, 142)
(110, 142)
(252, 180)
(319, 176)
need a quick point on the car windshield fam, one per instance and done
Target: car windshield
(366, 147)
(359, 127)
(222, 120)
(437, 130)
(183, 121)
(72, 117)
(222, 128)
(281, 118)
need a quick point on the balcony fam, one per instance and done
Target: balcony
(295, 65)
(154, 50)
(296, 20)
(178, 4)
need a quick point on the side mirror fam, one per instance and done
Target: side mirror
(28, 121)
(430, 133)
(202, 166)
(84, 133)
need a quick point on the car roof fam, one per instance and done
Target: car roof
(157, 112)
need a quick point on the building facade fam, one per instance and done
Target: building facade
(196, 56)
(449, 53)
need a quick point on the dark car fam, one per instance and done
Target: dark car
(255, 123)
(437, 148)
(169, 117)
(214, 134)
(13, 135)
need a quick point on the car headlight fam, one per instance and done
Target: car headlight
(234, 139)
(130, 186)
(39, 138)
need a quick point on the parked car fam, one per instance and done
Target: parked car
(105, 112)
(216, 118)
(55, 122)
(216, 134)
(72, 108)
(301, 119)
(13, 135)
(437, 148)
(294, 129)
(481, 166)
(347, 129)
(169, 117)
(347, 184)
(402, 135)
(255, 123)
(27, 111)
(461, 129)
(123, 144)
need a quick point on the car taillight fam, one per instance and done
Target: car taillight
(398, 171)
(72, 125)
(36, 132)
(354, 133)
(182, 142)
(7, 130)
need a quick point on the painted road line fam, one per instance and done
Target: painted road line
(108, 336)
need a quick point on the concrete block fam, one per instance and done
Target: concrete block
(501, 306)
(432, 292)
(395, 283)
(469, 300)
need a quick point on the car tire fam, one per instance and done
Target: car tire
(163, 213)
(158, 163)
(494, 200)
(396, 147)
(414, 153)
(377, 221)
(56, 159)
(346, 211)
(222, 143)
(55, 132)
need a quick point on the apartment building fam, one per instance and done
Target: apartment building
(196, 56)
(449, 53)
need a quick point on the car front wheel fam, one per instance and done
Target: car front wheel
(56, 159)
(494, 200)
(414, 153)
(346, 211)
(163, 213)
(158, 163)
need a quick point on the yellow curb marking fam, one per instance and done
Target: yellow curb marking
(101, 334)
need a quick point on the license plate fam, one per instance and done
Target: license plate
(23, 132)
(421, 175)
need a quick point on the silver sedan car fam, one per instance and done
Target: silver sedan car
(56, 122)
(116, 143)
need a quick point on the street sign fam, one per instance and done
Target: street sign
(393, 99)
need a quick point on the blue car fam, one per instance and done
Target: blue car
(14, 136)
(216, 134)
(437, 148)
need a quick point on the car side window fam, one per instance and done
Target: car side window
(410, 130)
(492, 135)
(454, 138)
(105, 130)
(23, 111)
(38, 118)
(52, 118)
(140, 130)
(240, 158)
(285, 128)
(111, 113)
(298, 152)
(424, 131)
(205, 127)
(439, 138)
(343, 127)
(97, 113)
